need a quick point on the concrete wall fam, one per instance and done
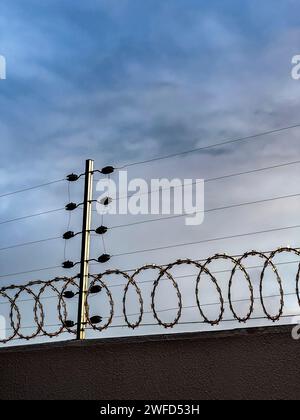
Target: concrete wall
(247, 364)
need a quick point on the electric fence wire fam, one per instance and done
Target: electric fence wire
(253, 267)
(226, 302)
(24, 244)
(150, 192)
(242, 235)
(232, 206)
(102, 224)
(214, 179)
(37, 270)
(159, 158)
(32, 188)
(140, 222)
(187, 323)
(46, 212)
(69, 220)
(148, 161)
(155, 325)
(212, 146)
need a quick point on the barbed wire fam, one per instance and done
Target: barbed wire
(114, 286)
(65, 289)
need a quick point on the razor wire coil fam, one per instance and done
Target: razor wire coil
(100, 283)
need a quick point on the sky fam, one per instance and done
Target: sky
(123, 80)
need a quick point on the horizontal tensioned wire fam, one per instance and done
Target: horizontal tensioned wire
(211, 146)
(30, 216)
(32, 188)
(242, 235)
(159, 158)
(210, 210)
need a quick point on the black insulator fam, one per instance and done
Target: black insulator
(104, 258)
(68, 235)
(68, 264)
(71, 206)
(72, 178)
(69, 294)
(96, 319)
(69, 324)
(106, 201)
(101, 230)
(95, 289)
(108, 170)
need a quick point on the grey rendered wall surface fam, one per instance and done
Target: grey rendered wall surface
(246, 364)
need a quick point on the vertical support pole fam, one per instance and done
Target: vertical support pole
(85, 249)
